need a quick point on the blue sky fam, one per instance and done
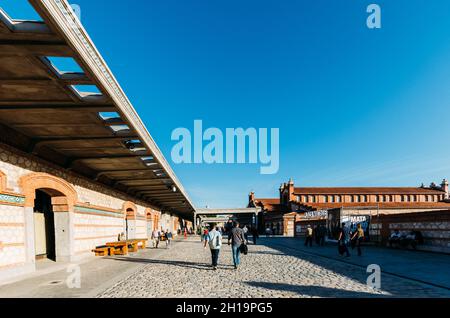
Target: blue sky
(355, 107)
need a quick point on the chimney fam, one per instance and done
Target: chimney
(444, 187)
(251, 197)
(291, 190)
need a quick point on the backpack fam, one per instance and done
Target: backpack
(215, 242)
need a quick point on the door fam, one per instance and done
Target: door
(149, 229)
(40, 238)
(44, 227)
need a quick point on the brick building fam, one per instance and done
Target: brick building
(298, 207)
(77, 167)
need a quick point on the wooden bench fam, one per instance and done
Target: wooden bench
(133, 246)
(104, 251)
(143, 243)
(120, 248)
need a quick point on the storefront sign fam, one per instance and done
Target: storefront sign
(323, 214)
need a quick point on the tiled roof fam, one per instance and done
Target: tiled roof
(383, 205)
(270, 205)
(368, 190)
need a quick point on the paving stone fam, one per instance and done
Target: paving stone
(184, 272)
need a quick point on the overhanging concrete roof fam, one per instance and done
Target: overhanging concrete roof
(228, 211)
(41, 112)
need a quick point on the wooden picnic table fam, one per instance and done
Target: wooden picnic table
(123, 247)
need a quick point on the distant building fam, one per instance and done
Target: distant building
(297, 204)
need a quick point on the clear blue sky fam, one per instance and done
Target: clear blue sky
(355, 107)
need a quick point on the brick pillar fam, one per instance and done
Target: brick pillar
(288, 225)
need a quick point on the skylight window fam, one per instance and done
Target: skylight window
(86, 90)
(119, 128)
(135, 145)
(149, 161)
(19, 10)
(108, 115)
(159, 173)
(64, 65)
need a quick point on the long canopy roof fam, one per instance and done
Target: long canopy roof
(46, 111)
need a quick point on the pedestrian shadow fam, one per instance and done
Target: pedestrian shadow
(266, 253)
(184, 264)
(394, 286)
(314, 291)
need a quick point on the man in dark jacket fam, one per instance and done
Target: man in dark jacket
(236, 238)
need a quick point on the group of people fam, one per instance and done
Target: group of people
(412, 239)
(158, 236)
(237, 239)
(346, 238)
(354, 238)
(318, 234)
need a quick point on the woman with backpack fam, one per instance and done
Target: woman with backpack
(214, 240)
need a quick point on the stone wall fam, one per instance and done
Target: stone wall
(434, 226)
(12, 236)
(92, 213)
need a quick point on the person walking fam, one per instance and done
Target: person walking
(169, 237)
(342, 241)
(245, 229)
(358, 236)
(322, 234)
(254, 234)
(185, 233)
(155, 238)
(236, 239)
(214, 240)
(309, 236)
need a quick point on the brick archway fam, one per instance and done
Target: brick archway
(63, 193)
(63, 199)
(2, 181)
(129, 210)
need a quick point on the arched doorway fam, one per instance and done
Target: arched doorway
(44, 227)
(150, 227)
(49, 205)
(130, 212)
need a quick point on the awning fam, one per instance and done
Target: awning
(80, 120)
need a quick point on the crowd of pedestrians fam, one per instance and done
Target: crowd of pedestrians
(346, 238)
(238, 238)
(159, 236)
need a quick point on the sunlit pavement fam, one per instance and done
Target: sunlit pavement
(276, 267)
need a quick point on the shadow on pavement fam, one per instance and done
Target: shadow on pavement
(356, 265)
(313, 291)
(164, 262)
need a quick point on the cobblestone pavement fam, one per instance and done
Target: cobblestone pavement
(184, 272)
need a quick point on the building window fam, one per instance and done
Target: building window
(332, 199)
(338, 199)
